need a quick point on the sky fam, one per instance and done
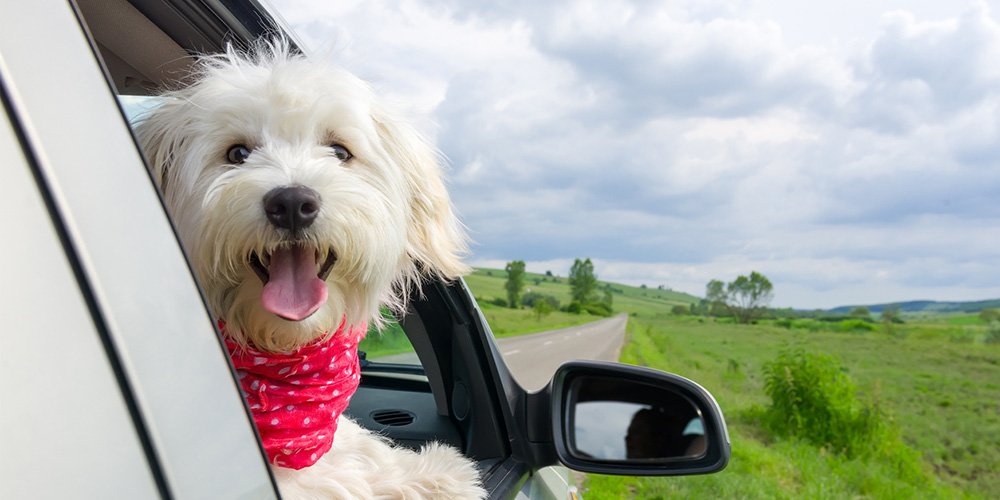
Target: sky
(850, 151)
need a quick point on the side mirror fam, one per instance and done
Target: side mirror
(610, 418)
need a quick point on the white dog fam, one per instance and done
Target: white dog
(304, 204)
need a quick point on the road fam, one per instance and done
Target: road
(533, 358)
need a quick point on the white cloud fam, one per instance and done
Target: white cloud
(677, 142)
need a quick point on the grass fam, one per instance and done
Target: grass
(944, 396)
(936, 378)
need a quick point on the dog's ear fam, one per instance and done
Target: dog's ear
(436, 238)
(161, 135)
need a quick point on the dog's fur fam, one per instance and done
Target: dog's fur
(384, 213)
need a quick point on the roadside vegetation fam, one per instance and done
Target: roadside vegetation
(859, 403)
(916, 409)
(879, 404)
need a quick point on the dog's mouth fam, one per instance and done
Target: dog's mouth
(294, 279)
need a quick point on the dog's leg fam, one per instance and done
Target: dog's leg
(363, 466)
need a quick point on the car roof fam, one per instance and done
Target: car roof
(150, 45)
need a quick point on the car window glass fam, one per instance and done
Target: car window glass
(136, 106)
(390, 345)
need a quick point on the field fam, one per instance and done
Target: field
(936, 378)
(943, 391)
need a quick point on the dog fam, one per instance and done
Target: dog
(304, 204)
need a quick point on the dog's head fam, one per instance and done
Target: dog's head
(300, 198)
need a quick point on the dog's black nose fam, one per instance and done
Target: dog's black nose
(292, 208)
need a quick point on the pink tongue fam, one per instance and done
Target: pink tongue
(293, 291)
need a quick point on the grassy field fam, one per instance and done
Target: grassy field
(938, 378)
(941, 384)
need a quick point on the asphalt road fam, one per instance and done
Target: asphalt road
(533, 358)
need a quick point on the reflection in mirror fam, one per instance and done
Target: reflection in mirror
(615, 421)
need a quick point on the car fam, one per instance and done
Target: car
(116, 382)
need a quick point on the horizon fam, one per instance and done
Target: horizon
(655, 287)
(849, 152)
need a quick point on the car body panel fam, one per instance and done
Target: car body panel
(91, 418)
(143, 291)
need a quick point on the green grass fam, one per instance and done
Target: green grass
(937, 377)
(943, 394)
(965, 319)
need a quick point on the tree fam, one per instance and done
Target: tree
(715, 292)
(745, 298)
(582, 280)
(891, 315)
(515, 282)
(749, 296)
(542, 308)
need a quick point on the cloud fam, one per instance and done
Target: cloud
(685, 141)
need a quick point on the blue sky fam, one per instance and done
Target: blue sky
(850, 151)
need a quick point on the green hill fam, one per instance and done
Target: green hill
(927, 306)
(487, 284)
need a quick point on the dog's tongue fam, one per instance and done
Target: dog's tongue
(293, 290)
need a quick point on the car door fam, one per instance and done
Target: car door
(115, 382)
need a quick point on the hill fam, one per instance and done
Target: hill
(488, 284)
(927, 306)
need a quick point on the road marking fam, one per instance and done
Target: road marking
(511, 353)
(547, 342)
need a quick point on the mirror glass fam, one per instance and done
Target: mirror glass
(632, 421)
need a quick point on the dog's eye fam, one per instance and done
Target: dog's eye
(237, 154)
(342, 153)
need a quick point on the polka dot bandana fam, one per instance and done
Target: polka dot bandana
(297, 397)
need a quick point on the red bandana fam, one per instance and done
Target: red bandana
(296, 398)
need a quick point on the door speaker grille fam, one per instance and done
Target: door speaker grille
(393, 417)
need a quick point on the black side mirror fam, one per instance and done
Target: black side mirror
(610, 418)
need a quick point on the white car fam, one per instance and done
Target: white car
(114, 381)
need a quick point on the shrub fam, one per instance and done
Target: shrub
(993, 332)
(812, 398)
(530, 299)
(497, 301)
(575, 307)
(680, 310)
(597, 309)
(542, 308)
(856, 325)
(783, 323)
(989, 315)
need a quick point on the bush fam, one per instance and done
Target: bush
(989, 315)
(531, 298)
(575, 307)
(856, 325)
(993, 332)
(812, 398)
(542, 308)
(497, 301)
(598, 309)
(680, 310)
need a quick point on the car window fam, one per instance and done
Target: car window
(388, 344)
